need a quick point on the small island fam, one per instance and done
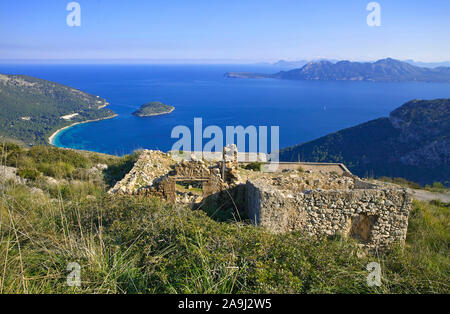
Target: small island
(155, 108)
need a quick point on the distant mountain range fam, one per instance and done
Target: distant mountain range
(413, 143)
(385, 70)
(31, 109)
(428, 64)
(290, 65)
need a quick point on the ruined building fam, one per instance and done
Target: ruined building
(317, 199)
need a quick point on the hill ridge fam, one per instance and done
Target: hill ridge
(413, 142)
(383, 70)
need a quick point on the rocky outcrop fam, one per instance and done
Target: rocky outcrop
(10, 174)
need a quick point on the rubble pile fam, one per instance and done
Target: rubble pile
(148, 170)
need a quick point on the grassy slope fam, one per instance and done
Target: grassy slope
(44, 102)
(143, 245)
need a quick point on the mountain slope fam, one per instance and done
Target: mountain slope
(428, 64)
(414, 143)
(32, 108)
(385, 70)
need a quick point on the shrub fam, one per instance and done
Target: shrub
(51, 161)
(402, 182)
(407, 183)
(29, 174)
(9, 152)
(9, 148)
(436, 187)
(255, 166)
(58, 169)
(53, 154)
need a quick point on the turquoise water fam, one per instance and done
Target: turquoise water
(304, 110)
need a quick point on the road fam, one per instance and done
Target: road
(427, 196)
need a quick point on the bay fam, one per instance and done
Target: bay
(303, 110)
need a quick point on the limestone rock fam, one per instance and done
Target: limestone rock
(150, 167)
(10, 174)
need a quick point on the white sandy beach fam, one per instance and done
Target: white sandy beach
(53, 136)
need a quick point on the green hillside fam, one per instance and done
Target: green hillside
(413, 143)
(31, 108)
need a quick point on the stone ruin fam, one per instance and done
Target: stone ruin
(316, 202)
(327, 205)
(195, 173)
(159, 174)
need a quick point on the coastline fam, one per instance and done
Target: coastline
(52, 137)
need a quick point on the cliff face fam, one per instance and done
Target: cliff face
(414, 143)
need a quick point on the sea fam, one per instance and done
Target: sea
(302, 110)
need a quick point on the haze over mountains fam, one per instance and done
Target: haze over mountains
(290, 65)
(429, 64)
(384, 70)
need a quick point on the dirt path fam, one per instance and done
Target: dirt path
(427, 196)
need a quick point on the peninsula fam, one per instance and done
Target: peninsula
(33, 109)
(154, 108)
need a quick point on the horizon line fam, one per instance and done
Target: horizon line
(125, 61)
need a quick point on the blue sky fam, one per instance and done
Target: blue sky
(225, 30)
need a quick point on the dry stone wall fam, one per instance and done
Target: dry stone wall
(375, 217)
